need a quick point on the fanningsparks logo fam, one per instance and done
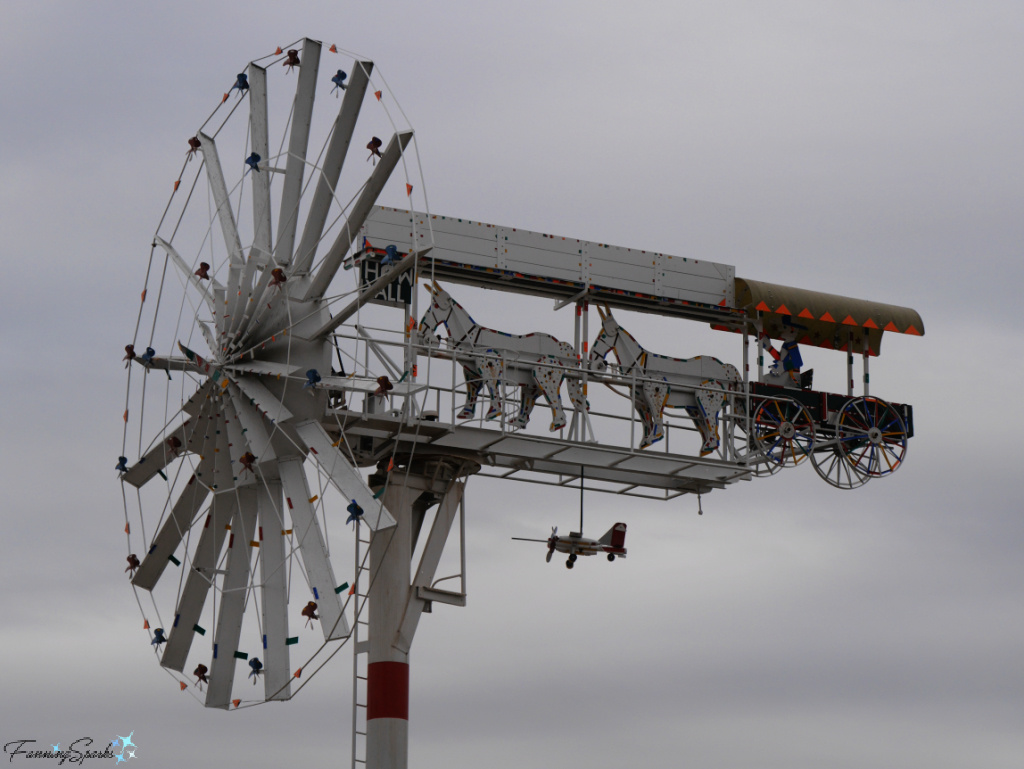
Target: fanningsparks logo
(120, 748)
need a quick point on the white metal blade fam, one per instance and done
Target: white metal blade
(298, 141)
(228, 227)
(172, 531)
(253, 426)
(263, 367)
(232, 600)
(188, 273)
(274, 576)
(190, 433)
(198, 583)
(262, 237)
(343, 475)
(311, 546)
(263, 399)
(237, 445)
(360, 210)
(334, 159)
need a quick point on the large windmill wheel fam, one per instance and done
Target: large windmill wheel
(235, 430)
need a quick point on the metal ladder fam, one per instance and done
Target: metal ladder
(360, 647)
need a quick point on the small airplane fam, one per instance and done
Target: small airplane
(613, 543)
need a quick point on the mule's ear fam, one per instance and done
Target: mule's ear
(608, 310)
(436, 285)
(600, 311)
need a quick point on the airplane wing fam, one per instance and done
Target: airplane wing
(524, 539)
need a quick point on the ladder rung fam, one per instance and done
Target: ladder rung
(361, 678)
(360, 733)
(360, 705)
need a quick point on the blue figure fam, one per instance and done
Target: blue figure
(253, 161)
(339, 81)
(257, 669)
(242, 84)
(312, 377)
(158, 638)
(122, 465)
(355, 512)
(390, 256)
(147, 357)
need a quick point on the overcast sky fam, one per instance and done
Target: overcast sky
(870, 149)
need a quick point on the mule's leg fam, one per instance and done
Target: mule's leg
(710, 403)
(473, 382)
(530, 394)
(575, 388)
(655, 394)
(492, 375)
(550, 381)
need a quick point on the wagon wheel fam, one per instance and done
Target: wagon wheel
(783, 432)
(872, 437)
(836, 470)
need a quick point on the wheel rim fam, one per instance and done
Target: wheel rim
(783, 433)
(872, 437)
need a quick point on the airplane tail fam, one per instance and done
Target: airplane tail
(615, 536)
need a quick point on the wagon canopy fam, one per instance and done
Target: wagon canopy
(824, 320)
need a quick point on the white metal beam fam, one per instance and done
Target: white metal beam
(190, 433)
(343, 475)
(253, 427)
(334, 159)
(197, 585)
(232, 599)
(228, 227)
(298, 141)
(259, 127)
(311, 545)
(264, 400)
(274, 591)
(172, 531)
(360, 210)
(429, 561)
(190, 276)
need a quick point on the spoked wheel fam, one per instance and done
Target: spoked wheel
(836, 470)
(872, 437)
(783, 433)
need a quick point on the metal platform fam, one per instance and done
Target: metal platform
(531, 458)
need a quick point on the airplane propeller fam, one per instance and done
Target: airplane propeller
(551, 543)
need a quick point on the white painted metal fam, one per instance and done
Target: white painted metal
(312, 548)
(298, 142)
(232, 600)
(172, 531)
(190, 434)
(268, 404)
(476, 244)
(262, 243)
(334, 159)
(188, 273)
(199, 581)
(274, 591)
(361, 209)
(343, 476)
(253, 426)
(429, 560)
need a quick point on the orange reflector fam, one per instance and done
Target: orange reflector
(298, 672)
(391, 464)
(145, 624)
(333, 48)
(183, 685)
(408, 189)
(224, 99)
(143, 295)
(352, 590)
(314, 498)
(126, 415)
(236, 703)
(377, 94)
(177, 183)
(278, 51)
(127, 529)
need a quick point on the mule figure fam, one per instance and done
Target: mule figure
(697, 384)
(536, 362)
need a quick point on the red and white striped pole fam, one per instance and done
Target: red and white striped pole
(387, 684)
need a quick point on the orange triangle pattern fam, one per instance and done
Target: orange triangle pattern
(783, 310)
(869, 324)
(333, 48)
(849, 321)
(298, 673)
(183, 685)
(805, 313)
(913, 331)
(763, 307)
(890, 326)
(236, 703)
(827, 317)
